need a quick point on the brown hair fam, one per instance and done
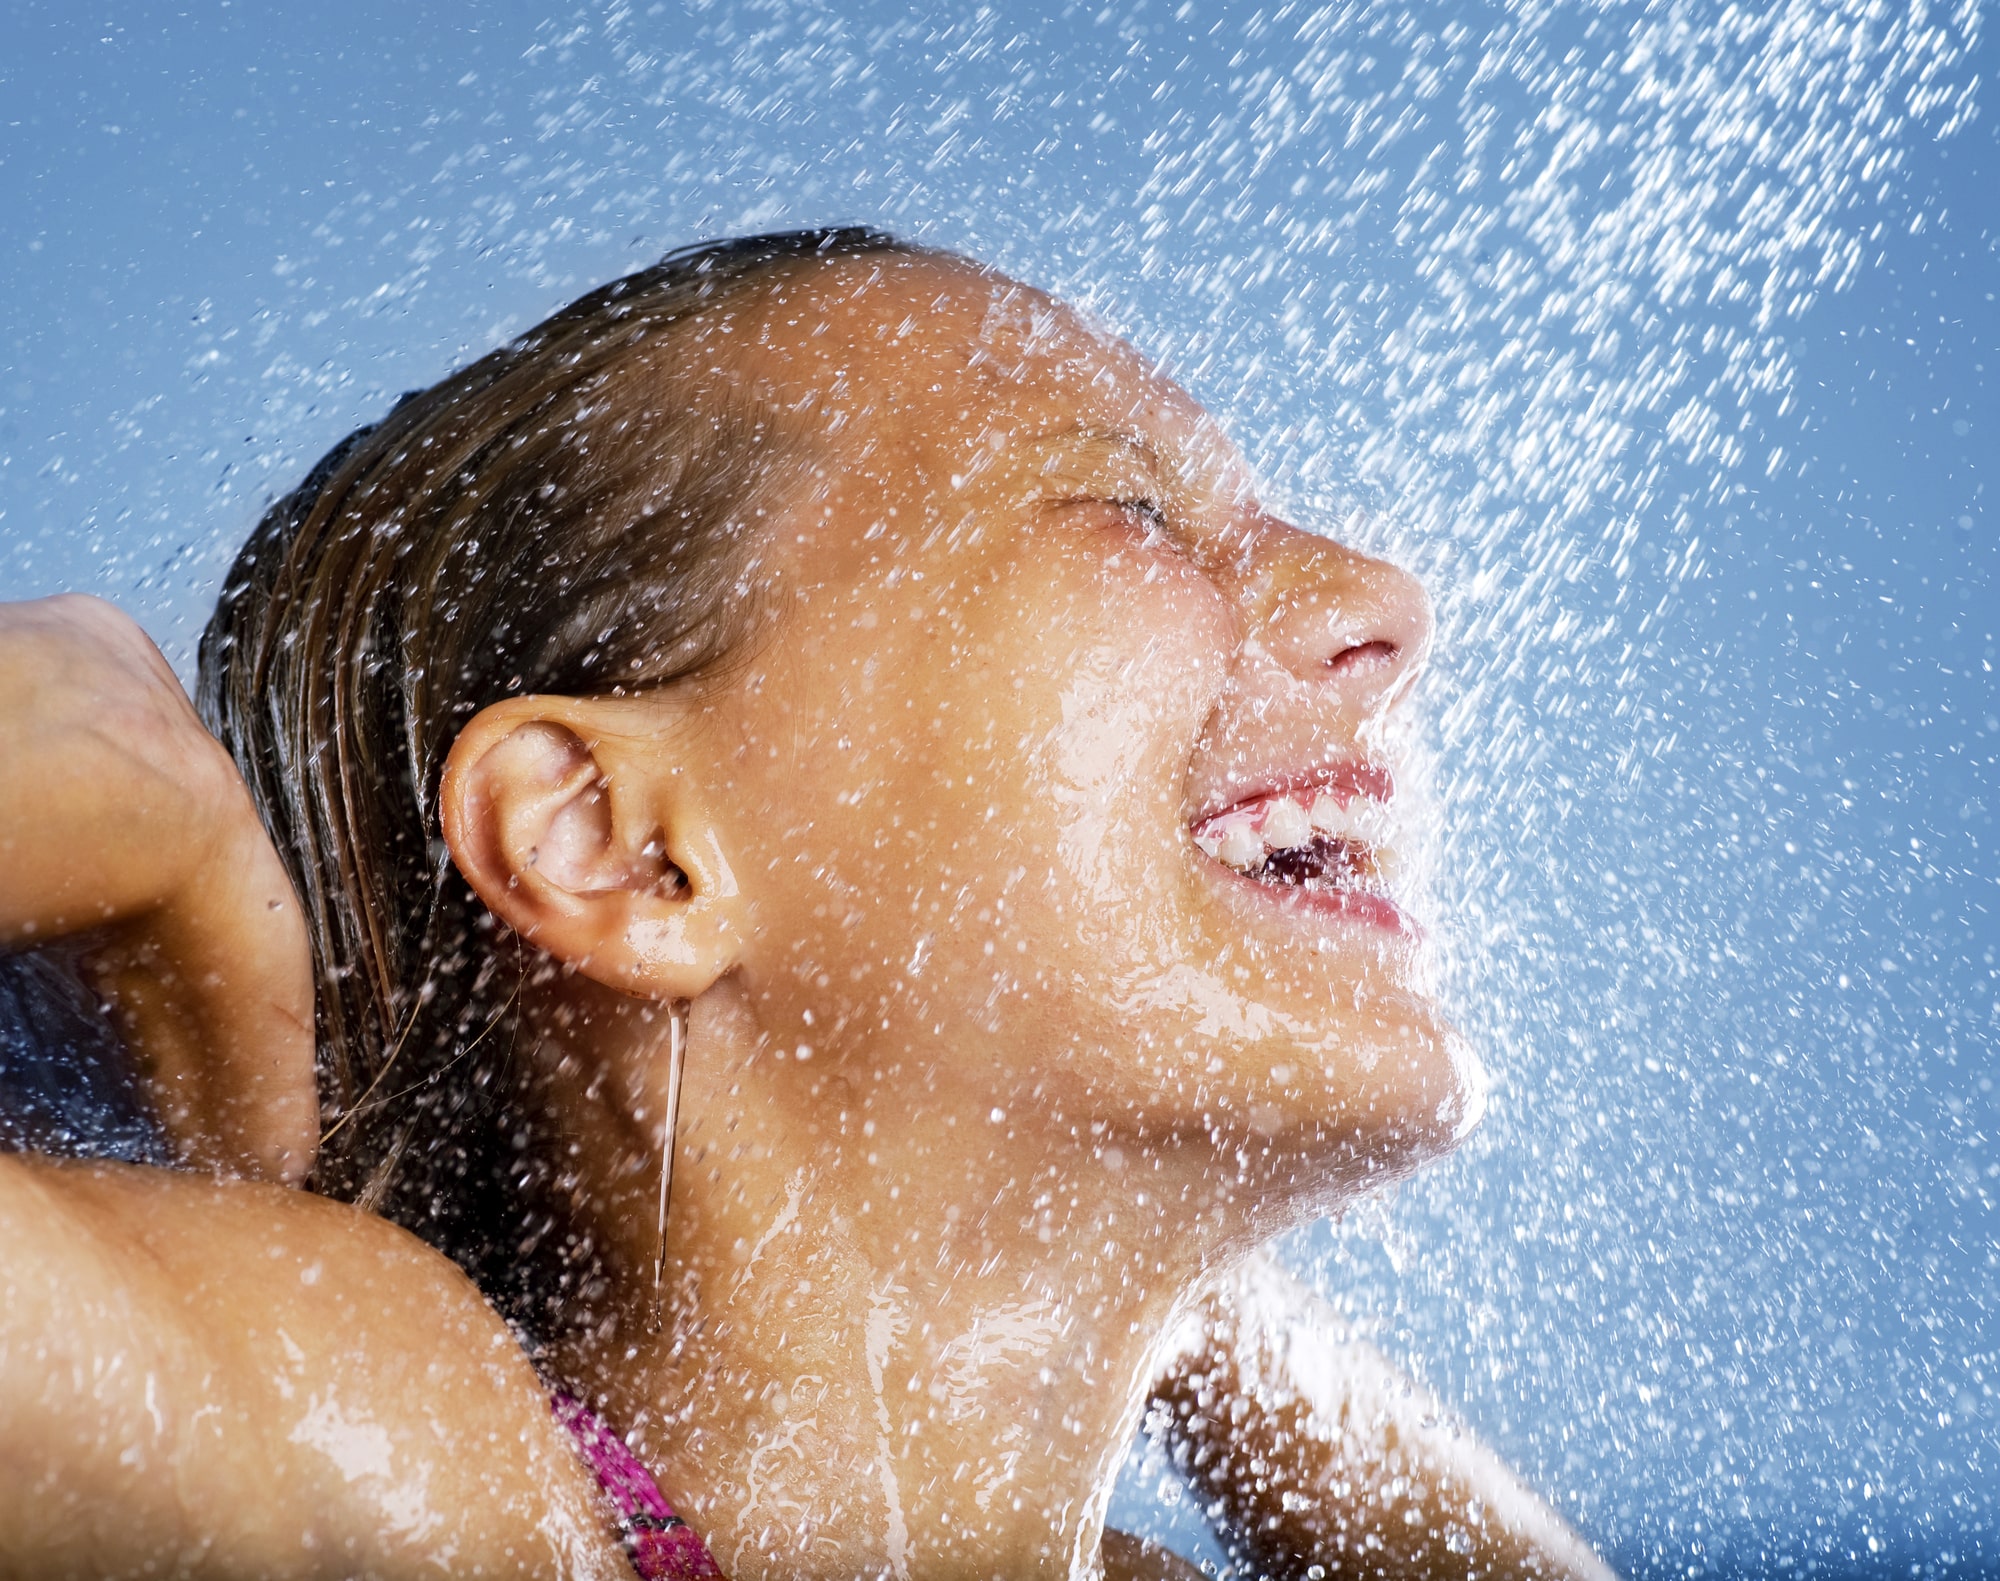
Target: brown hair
(568, 514)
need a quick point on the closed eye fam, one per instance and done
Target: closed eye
(1147, 510)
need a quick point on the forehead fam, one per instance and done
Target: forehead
(944, 351)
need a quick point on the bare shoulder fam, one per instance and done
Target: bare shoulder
(262, 1260)
(209, 1230)
(260, 1372)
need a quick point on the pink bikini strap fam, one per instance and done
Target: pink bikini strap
(662, 1546)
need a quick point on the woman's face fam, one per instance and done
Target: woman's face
(1060, 789)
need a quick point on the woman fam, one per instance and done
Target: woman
(845, 862)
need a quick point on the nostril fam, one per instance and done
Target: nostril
(1364, 656)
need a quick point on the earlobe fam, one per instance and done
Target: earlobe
(578, 838)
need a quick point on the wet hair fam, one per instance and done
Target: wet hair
(569, 514)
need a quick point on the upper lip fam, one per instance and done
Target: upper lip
(1347, 778)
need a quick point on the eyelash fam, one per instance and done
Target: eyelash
(1154, 517)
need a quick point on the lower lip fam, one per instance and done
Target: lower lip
(1346, 905)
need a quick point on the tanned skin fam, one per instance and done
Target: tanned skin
(995, 1082)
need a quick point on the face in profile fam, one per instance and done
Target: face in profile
(1059, 785)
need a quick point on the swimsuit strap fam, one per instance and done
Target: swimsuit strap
(662, 1546)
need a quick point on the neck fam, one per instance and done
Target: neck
(894, 1337)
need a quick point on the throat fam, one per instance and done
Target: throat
(823, 1401)
(873, 1352)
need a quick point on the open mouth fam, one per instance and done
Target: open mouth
(1328, 838)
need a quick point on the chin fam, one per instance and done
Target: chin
(1334, 1122)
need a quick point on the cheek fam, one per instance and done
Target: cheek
(975, 781)
(1117, 721)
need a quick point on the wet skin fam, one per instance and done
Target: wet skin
(990, 1067)
(994, 1076)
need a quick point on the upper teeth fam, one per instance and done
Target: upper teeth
(1242, 837)
(1237, 843)
(1287, 824)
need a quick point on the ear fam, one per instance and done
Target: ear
(574, 827)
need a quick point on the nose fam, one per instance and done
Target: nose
(1324, 612)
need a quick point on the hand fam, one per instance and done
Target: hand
(122, 819)
(1327, 1461)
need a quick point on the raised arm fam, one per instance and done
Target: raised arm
(122, 819)
(1327, 1461)
(205, 1375)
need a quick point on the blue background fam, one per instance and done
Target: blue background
(1661, 340)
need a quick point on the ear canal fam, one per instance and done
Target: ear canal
(672, 879)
